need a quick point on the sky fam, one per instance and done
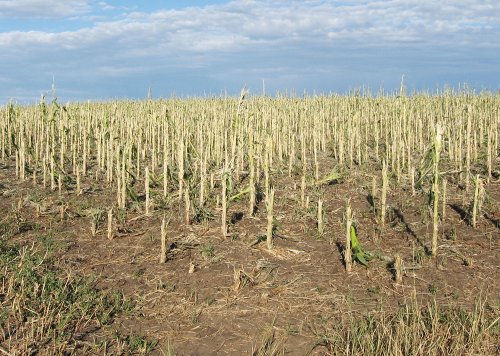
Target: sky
(106, 50)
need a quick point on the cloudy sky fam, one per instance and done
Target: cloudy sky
(119, 49)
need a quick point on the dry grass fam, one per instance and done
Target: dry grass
(415, 330)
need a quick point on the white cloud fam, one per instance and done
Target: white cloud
(42, 8)
(220, 27)
(270, 37)
(105, 6)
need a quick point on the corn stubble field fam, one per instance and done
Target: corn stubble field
(357, 224)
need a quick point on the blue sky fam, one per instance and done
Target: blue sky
(118, 49)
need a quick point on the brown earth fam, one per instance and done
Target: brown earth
(219, 295)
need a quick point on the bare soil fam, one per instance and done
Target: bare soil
(219, 295)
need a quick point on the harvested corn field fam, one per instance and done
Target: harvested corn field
(358, 224)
